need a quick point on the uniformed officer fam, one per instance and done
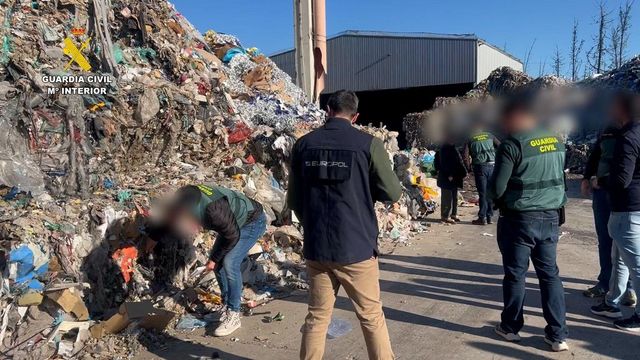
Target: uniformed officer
(239, 221)
(337, 174)
(528, 186)
(479, 155)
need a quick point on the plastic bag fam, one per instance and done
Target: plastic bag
(338, 328)
(17, 168)
(240, 133)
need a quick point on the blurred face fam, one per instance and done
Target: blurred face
(186, 225)
(518, 120)
(619, 114)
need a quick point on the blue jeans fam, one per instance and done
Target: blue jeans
(229, 274)
(601, 210)
(624, 228)
(619, 282)
(532, 235)
(482, 174)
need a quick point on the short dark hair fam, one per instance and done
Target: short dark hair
(186, 197)
(628, 102)
(519, 101)
(343, 102)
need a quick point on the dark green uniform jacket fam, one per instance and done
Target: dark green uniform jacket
(482, 148)
(529, 172)
(225, 212)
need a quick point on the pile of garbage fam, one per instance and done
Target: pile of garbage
(626, 76)
(571, 109)
(425, 129)
(106, 108)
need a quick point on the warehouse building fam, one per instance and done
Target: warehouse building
(398, 73)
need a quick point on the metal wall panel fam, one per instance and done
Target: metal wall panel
(376, 63)
(286, 61)
(490, 58)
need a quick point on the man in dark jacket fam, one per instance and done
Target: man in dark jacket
(595, 181)
(624, 189)
(239, 221)
(451, 173)
(337, 174)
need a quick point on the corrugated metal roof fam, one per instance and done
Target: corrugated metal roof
(423, 35)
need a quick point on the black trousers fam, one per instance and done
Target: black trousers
(482, 174)
(448, 202)
(531, 235)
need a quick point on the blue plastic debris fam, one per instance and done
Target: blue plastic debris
(107, 183)
(32, 263)
(231, 53)
(11, 194)
(190, 322)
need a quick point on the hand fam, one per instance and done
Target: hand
(594, 184)
(211, 265)
(450, 178)
(585, 187)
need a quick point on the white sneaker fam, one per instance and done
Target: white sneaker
(506, 335)
(557, 346)
(230, 324)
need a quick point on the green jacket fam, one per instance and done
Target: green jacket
(529, 172)
(482, 148)
(240, 205)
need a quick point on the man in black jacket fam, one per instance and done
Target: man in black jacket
(451, 173)
(337, 174)
(239, 221)
(595, 181)
(624, 189)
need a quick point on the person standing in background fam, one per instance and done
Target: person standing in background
(337, 174)
(624, 189)
(479, 155)
(451, 173)
(595, 182)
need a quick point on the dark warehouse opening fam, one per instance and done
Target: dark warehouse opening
(389, 107)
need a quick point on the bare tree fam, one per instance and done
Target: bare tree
(624, 25)
(542, 68)
(574, 52)
(595, 55)
(614, 47)
(557, 61)
(528, 56)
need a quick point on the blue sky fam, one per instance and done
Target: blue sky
(514, 24)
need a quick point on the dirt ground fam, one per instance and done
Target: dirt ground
(442, 297)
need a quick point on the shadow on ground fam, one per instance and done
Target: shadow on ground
(176, 349)
(452, 280)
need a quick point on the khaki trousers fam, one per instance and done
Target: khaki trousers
(361, 282)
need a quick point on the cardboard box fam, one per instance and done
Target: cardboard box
(71, 302)
(143, 313)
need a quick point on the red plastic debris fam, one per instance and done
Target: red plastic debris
(125, 258)
(240, 133)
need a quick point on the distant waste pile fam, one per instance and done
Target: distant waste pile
(106, 107)
(425, 129)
